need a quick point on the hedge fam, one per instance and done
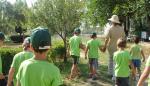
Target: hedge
(7, 54)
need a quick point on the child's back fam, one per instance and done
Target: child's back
(122, 59)
(135, 51)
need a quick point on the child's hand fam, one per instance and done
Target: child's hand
(85, 57)
(143, 60)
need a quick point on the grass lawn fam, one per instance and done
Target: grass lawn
(103, 79)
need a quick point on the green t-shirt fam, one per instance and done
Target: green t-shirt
(0, 65)
(148, 65)
(121, 59)
(38, 73)
(136, 51)
(74, 43)
(93, 46)
(18, 59)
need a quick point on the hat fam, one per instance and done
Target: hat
(2, 36)
(93, 34)
(77, 30)
(40, 38)
(114, 19)
(26, 41)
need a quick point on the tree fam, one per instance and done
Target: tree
(60, 16)
(101, 10)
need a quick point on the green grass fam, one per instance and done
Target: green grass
(102, 72)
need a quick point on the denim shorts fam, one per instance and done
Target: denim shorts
(136, 62)
(93, 62)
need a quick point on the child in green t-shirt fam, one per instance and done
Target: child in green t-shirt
(136, 55)
(145, 74)
(2, 37)
(75, 44)
(122, 61)
(18, 59)
(93, 45)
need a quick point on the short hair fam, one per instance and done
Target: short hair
(93, 35)
(121, 43)
(136, 39)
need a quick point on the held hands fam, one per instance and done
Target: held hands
(2, 76)
(85, 56)
(143, 60)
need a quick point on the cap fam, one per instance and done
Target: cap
(77, 30)
(93, 35)
(40, 38)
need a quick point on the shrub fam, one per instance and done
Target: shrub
(7, 54)
(57, 51)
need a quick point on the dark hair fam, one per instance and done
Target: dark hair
(136, 39)
(93, 35)
(121, 43)
(40, 51)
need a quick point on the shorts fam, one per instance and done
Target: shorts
(136, 62)
(3, 82)
(122, 81)
(75, 59)
(93, 62)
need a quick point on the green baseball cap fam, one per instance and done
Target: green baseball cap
(40, 38)
(2, 36)
(77, 30)
(93, 34)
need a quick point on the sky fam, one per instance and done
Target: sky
(29, 2)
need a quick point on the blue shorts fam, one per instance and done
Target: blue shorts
(136, 62)
(75, 59)
(93, 62)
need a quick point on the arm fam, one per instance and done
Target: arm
(144, 76)
(10, 76)
(18, 83)
(105, 45)
(142, 53)
(82, 46)
(86, 50)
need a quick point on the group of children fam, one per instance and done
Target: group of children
(124, 61)
(33, 69)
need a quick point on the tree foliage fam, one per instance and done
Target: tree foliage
(101, 10)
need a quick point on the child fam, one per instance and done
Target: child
(75, 44)
(2, 37)
(17, 60)
(122, 61)
(145, 74)
(92, 49)
(37, 71)
(136, 55)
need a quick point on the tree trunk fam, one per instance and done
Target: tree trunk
(65, 46)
